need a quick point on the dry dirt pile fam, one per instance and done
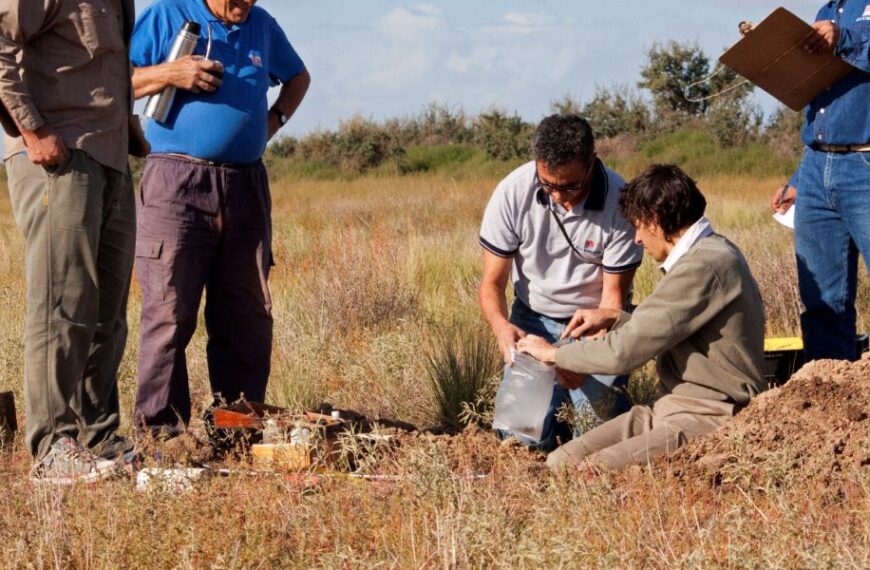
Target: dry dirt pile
(815, 427)
(471, 452)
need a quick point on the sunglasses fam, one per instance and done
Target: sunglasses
(565, 188)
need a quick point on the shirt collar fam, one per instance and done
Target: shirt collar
(217, 23)
(696, 231)
(598, 192)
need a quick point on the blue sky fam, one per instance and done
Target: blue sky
(381, 58)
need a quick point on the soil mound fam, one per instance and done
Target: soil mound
(815, 427)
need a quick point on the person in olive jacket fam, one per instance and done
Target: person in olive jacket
(704, 324)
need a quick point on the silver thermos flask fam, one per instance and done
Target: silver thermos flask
(185, 42)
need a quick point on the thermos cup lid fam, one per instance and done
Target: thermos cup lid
(191, 27)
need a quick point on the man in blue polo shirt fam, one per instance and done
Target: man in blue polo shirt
(832, 208)
(204, 212)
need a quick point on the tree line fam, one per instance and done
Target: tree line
(678, 90)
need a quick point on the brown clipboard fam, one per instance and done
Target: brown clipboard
(771, 56)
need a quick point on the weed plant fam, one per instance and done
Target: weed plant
(461, 362)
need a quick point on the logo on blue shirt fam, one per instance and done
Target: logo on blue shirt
(256, 58)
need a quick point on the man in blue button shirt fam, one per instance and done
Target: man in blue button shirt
(832, 215)
(204, 212)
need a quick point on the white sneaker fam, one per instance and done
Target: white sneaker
(67, 462)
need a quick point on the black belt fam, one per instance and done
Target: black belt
(202, 161)
(842, 147)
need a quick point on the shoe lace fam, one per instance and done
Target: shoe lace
(80, 455)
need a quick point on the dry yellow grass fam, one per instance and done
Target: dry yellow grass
(367, 269)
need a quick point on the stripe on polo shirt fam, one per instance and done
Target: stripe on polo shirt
(622, 269)
(495, 250)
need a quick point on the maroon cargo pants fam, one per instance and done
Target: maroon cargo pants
(202, 225)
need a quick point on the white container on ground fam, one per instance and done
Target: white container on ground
(170, 481)
(523, 399)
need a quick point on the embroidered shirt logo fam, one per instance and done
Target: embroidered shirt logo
(589, 245)
(865, 16)
(256, 58)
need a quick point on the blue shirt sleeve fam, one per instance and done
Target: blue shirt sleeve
(149, 44)
(793, 179)
(284, 62)
(854, 46)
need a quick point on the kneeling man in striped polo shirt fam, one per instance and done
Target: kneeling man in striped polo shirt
(554, 229)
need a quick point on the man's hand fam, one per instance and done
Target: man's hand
(590, 322)
(783, 199)
(538, 348)
(823, 38)
(570, 380)
(507, 336)
(195, 73)
(45, 147)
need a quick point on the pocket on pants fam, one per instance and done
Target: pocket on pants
(149, 269)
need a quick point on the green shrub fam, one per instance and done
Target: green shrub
(438, 157)
(783, 134)
(441, 125)
(610, 112)
(503, 136)
(699, 153)
(310, 170)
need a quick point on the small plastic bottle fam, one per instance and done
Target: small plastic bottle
(271, 431)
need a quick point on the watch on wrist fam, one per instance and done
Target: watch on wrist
(282, 118)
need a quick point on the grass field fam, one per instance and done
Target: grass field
(372, 274)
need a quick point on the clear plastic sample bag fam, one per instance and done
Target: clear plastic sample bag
(523, 399)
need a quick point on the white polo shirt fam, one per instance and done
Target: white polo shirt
(548, 275)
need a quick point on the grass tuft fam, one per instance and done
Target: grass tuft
(460, 363)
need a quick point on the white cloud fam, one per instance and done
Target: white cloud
(396, 70)
(429, 9)
(522, 23)
(478, 58)
(405, 48)
(409, 23)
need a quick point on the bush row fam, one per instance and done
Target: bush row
(677, 93)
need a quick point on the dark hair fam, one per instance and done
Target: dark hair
(664, 195)
(563, 139)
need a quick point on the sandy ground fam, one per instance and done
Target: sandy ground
(814, 427)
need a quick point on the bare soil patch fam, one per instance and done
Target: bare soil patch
(813, 428)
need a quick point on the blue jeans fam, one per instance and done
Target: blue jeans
(601, 398)
(832, 221)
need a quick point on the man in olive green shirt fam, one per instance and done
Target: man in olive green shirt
(704, 323)
(65, 85)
